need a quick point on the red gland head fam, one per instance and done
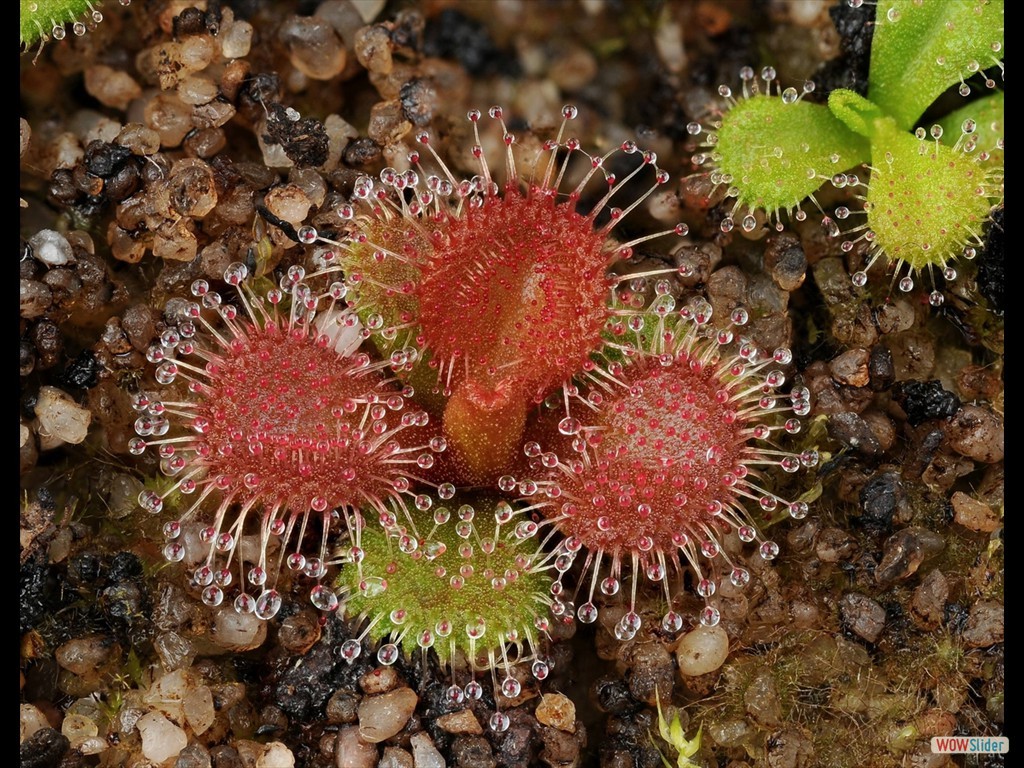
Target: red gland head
(503, 287)
(668, 463)
(281, 420)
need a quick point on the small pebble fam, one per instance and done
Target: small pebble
(381, 717)
(973, 514)
(25, 134)
(650, 671)
(49, 344)
(852, 430)
(199, 709)
(790, 747)
(396, 757)
(851, 368)
(342, 707)
(161, 739)
(277, 755)
(78, 728)
(299, 632)
(904, 552)
(311, 182)
(236, 40)
(368, 10)
(379, 680)
(881, 427)
(557, 711)
(111, 87)
(94, 746)
(175, 242)
(195, 755)
(977, 433)
(929, 601)
(197, 89)
(475, 752)
(462, 722)
(424, 753)
(224, 756)
(170, 117)
(373, 49)
(979, 382)
(881, 368)
(32, 720)
(835, 545)
(61, 417)
(139, 325)
(192, 190)
(138, 138)
(560, 748)
(51, 248)
(314, 48)
(213, 114)
(197, 52)
(879, 500)
(35, 297)
(761, 700)
(895, 316)
(65, 151)
(175, 651)
(289, 203)
(85, 655)
(855, 328)
(703, 650)
(913, 354)
(785, 260)
(862, 616)
(361, 151)
(388, 123)
(984, 625)
(237, 631)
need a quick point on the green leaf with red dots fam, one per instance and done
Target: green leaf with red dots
(987, 115)
(777, 154)
(923, 47)
(926, 201)
(464, 579)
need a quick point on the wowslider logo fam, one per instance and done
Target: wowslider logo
(970, 745)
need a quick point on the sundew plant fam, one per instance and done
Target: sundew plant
(470, 398)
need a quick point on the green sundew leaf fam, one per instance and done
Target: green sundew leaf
(777, 154)
(926, 201)
(41, 17)
(922, 47)
(987, 113)
(413, 596)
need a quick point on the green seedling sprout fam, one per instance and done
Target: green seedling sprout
(673, 734)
